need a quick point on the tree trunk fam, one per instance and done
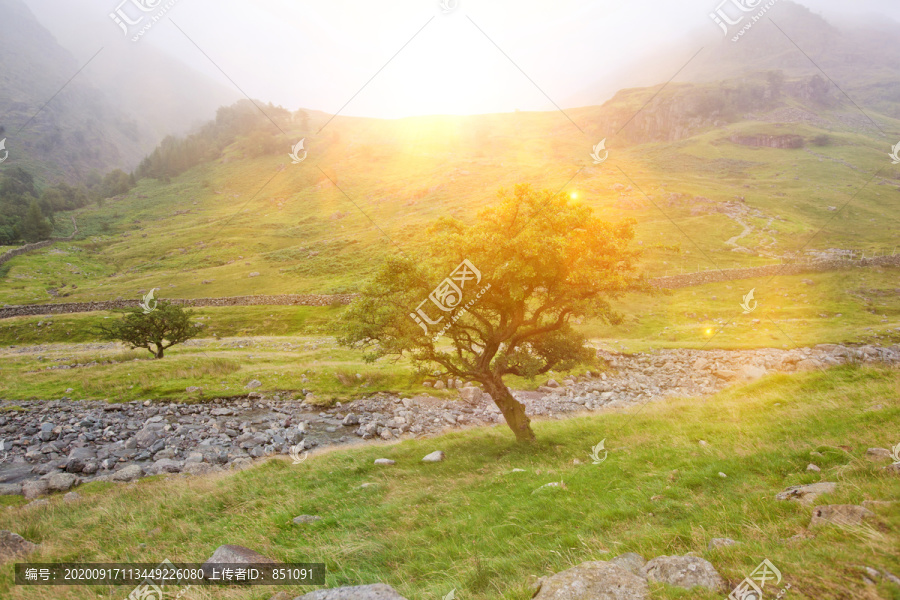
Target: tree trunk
(159, 351)
(513, 410)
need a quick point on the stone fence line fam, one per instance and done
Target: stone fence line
(672, 282)
(10, 254)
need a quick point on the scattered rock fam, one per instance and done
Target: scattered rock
(254, 383)
(385, 461)
(306, 519)
(34, 488)
(10, 489)
(62, 482)
(375, 591)
(129, 473)
(229, 554)
(595, 580)
(716, 543)
(878, 454)
(812, 467)
(436, 456)
(807, 494)
(72, 497)
(684, 571)
(839, 514)
(13, 545)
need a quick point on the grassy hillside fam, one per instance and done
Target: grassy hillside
(472, 524)
(203, 233)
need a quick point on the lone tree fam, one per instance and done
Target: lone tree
(498, 297)
(160, 329)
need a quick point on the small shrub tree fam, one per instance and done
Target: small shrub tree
(166, 325)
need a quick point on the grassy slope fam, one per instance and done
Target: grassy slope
(395, 176)
(471, 524)
(289, 342)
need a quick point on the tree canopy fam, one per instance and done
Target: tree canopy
(498, 296)
(164, 326)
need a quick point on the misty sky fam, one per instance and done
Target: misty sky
(320, 53)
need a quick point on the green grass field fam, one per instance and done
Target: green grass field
(472, 524)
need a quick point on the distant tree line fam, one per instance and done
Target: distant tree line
(28, 212)
(259, 135)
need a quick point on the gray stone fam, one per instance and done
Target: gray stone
(306, 519)
(439, 385)
(146, 437)
(436, 456)
(878, 454)
(595, 580)
(385, 461)
(375, 591)
(254, 383)
(72, 497)
(752, 372)
(13, 545)
(812, 467)
(716, 543)
(129, 473)
(839, 514)
(470, 395)
(201, 468)
(34, 488)
(350, 420)
(62, 482)
(630, 561)
(164, 465)
(684, 571)
(807, 494)
(229, 554)
(10, 489)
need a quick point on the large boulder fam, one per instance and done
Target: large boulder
(375, 591)
(595, 580)
(684, 571)
(807, 493)
(13, 545)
